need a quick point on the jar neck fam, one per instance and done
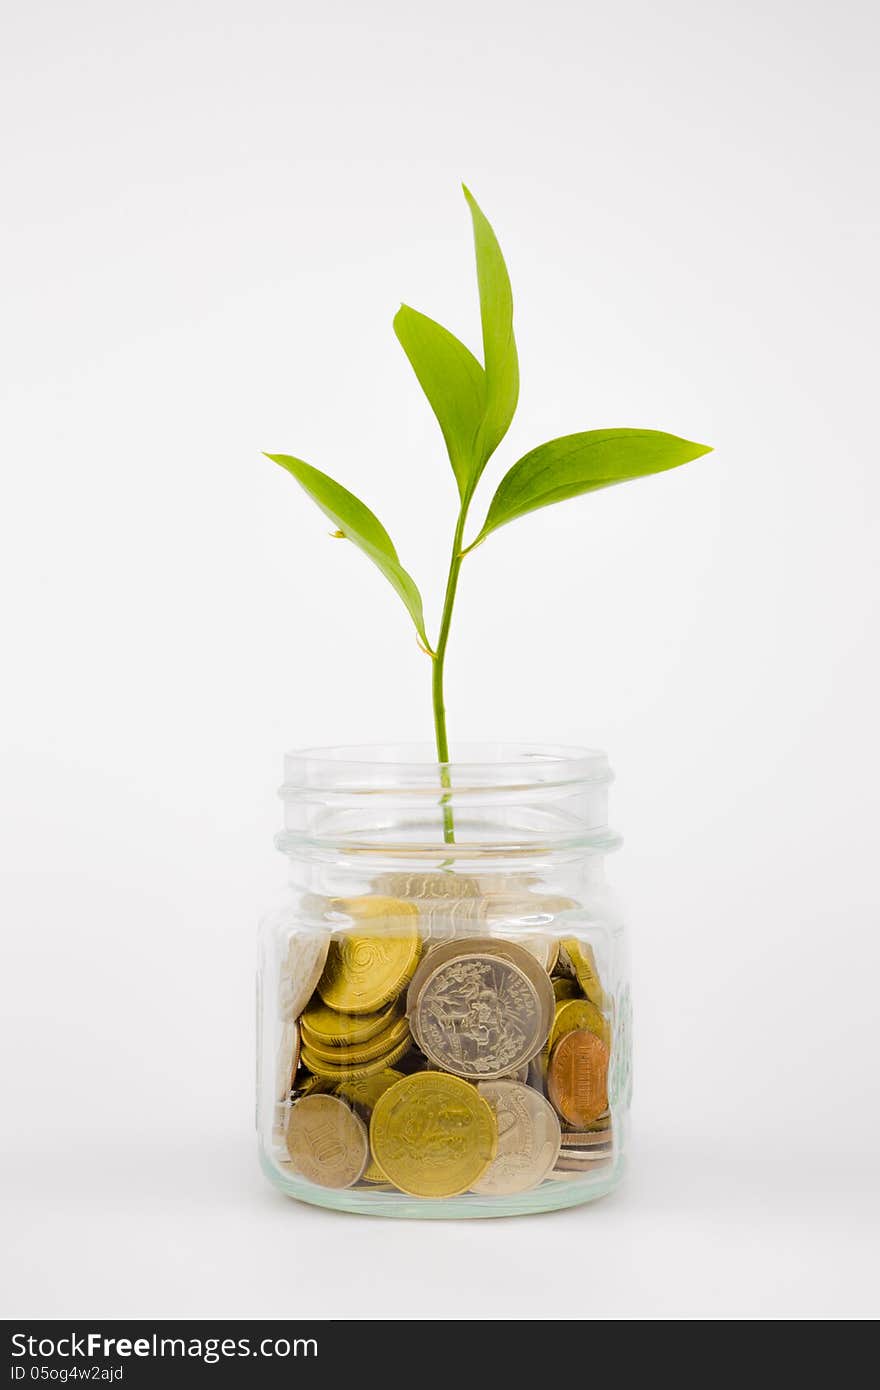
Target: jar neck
(497, 810)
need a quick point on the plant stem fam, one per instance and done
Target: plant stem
(437, 675)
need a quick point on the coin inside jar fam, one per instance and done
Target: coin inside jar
(363, 1094)
(528, 1138)
(301, 970)
(432, 1135)
(476, 1012)
(331, 1028)
(288, 1060)
(578, 955)
(367, 968)
(577, 1077)
(326, 1141)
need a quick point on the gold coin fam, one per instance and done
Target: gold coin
(432, 1135)
(577, 1078)
(366, 970)
(528, 1139)
(326, 1141)
(478, 1015)
(307, 1085)
(428, 886)
(354, 1070)
(583, 963)
(565, 988)
(579, 1013)
(330, 1028)
(377, 1046)
(363, 1094)
(565, 1020)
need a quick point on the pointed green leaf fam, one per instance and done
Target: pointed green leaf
(358, 524)
(579, 463)
(453, 381)
(499, 347)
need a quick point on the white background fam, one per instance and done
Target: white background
(211, 213)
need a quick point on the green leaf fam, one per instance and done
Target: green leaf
(358, 524)
(499, 347)
(453, 381)
(579, 463)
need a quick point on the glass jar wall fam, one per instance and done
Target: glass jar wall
(443, 1006)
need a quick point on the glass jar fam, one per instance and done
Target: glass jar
(443, 1006)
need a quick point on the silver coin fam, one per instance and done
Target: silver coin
(478, 1015)
(528, 1138)
(520, 1074)
(581, 1162)
(288, 1060)
(279, 1123)
(301, 970)
(586, 1139)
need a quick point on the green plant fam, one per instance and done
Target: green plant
(474, 404)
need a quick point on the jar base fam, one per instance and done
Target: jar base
(567, 1190)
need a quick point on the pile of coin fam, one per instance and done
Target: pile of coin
(425, 1051)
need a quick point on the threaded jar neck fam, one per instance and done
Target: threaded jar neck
(395, 803)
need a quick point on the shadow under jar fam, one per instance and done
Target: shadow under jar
(443, 1005)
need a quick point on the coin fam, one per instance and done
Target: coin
(377, 1046)
(363, 1094)
(585, 1139)
(279, 1123)
(579, 1013)
(545, 949)
(330, 1028)
(577, 1077)
(302, 969)
(353, 1071)
(584, 1163)
(601, 1122)
(307, 1084)
(490, 946)
(565, 988)
(520, 1074)
(579, 955)
(478, 1014)
(428, 886)
(366, 970)
(571, 1014)
(528, 1139)
(327, 1141)
(288, 1060)
(432, 1135)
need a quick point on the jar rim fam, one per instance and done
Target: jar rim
(415, 765)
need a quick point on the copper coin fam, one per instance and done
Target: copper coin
(577, 1078)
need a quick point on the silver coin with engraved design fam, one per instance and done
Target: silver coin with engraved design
(301, 970)
(478, 1014)
(528, 1139)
